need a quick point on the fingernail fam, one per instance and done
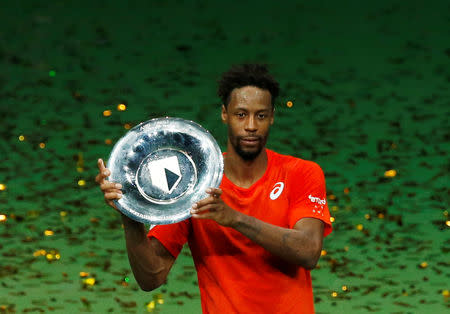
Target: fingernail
(194, 206)
(208, 190)
(118, 186)
(105, 173)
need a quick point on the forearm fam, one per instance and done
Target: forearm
(293, 246)
(149, 267)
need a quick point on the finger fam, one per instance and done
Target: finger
(206, 215)
(112, 196)
(101, 165)
(106, 185)
(214, 192)
(204, 202)
(113, 191)
(102, 175)
(99, 178)
(204, 208)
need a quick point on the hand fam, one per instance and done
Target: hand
(111, 190)
(213, 207)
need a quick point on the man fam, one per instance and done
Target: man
(256, 238)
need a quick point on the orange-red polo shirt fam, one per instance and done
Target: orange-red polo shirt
(236, 275)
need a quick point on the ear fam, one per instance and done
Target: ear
(224, 114)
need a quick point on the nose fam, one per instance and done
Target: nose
(250, 124)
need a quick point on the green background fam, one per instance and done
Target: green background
(369, 82)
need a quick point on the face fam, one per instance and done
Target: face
(249, 116)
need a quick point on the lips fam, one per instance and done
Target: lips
(250, 140)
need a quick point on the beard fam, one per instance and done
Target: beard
(247, 154)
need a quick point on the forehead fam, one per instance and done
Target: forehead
(251, 96)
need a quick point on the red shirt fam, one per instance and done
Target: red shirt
(235, 275)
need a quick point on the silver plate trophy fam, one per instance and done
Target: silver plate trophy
(164, 165)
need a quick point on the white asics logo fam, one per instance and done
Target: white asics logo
(277, 190)
(317, 200)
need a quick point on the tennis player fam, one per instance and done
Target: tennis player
(255, 239)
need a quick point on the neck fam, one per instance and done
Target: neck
(242, 172)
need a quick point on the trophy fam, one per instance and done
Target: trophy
(164, 165)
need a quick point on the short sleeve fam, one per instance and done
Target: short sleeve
(307, 195)
(172, 236)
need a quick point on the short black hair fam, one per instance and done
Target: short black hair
(247, 75)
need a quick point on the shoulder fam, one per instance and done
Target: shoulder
(295, 165)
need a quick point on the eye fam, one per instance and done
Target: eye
(261, 116)
(240, 114)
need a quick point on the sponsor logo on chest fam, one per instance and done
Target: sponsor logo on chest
(276, 191)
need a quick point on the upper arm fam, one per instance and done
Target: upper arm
(160, 250)
(313, 229)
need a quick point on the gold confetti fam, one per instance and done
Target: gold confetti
(52, 256)
(445, 213)
(289, 104)
(83, 274)
(423, 265)
(446, 293)
(323, 253)
(42, 145)
(108, 141)
(390, 173)
(344, 288)
(360, 227)
(107, 113)
(367, 216)
(127, 126)
(334, 208)
(48, 233)
(3, 218)
(2, 187)
(331, 197)
(334, 294)
(39, 253)
(346, 190)
(346, 248)
(89, 281)
(121, 107)
(332, 219)
(380, 215)
(63, 213)
(151, 306)
(21, 138)
(447, 223)
(81, 182)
